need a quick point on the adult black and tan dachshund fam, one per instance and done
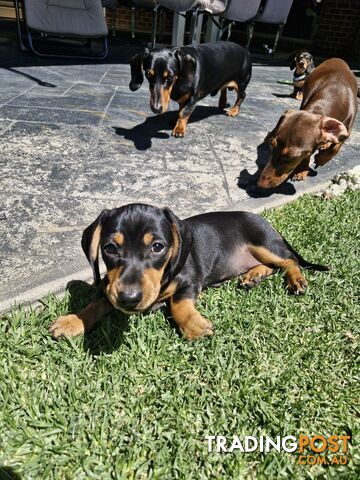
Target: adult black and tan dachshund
(151, 256)
(188, 74)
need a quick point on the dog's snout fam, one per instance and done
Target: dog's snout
(156, 107)
(129, 297)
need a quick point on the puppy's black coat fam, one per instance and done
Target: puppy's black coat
(151, 256)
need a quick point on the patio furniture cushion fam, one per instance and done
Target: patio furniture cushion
(275, 11)
(241, 10)
(212, 6)
(83, 18)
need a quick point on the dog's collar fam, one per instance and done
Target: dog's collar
(300, 77)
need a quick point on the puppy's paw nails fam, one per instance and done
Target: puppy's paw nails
(299, 177)
(198, 328)
(298, 286)
(178, 133)
(248, 283)
(233, 112)
(66, 326)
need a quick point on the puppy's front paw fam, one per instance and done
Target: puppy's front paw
(196, 327)
(300, 176)
(233, 112)
(67, 326)
(178, 132)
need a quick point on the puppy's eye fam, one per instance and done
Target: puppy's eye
(157, 247)
(170, 78)
(110, 249)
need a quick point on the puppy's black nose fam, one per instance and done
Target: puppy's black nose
(156, 109)
(130, 297)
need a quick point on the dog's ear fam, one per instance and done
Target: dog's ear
(186, 62)
(332, 130)
(136, 65)
(182, 239)
(292, 59)
(90, 243)
(311, 65)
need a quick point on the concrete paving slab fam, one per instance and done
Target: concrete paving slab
(75, 140)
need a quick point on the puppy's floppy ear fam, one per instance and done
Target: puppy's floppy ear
(182, 239)
(90, 243)
(332, 130)
(186, 62)
(292, 59)
(136, 65)
(311, 65)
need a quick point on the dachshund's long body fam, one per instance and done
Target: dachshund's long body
(151, 256)
(190, 73)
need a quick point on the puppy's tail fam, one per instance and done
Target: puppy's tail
(304, 263)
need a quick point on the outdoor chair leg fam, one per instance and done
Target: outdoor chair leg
(194, 25)
(250, 33)
(132, 22)
(278, 35)
(18, 22)
(154, 26)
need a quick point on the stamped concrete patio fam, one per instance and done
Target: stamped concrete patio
(74, 140)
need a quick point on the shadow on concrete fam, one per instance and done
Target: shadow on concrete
(30, 77)
(8, 473)
(247, 181)
(141, 135)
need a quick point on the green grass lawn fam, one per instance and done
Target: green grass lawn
(135, 400)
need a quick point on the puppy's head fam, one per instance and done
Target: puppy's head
(302, 61)
(297, 135)
(143, 247)
(162, 68)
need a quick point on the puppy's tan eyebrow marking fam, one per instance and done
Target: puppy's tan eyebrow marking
(150, 72)
(119, 238)
(165, 74)
(148, 238)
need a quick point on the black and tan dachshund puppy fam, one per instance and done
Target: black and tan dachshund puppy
(151, 256)
(190, 73)
(302, 61)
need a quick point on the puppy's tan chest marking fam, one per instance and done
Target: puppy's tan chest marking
(167, 292)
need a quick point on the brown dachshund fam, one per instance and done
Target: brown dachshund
(324, 121)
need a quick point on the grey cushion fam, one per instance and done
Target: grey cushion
(275, 11)
(241, 10)
(84, 18)
(213, 6)
(141, 3)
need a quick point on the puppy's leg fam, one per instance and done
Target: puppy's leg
(240, 96)
(326, 155)
(255, 275)
(299, 95)
(75, 324)
(191, 323)
(301, 171)
(184, 115)
(285, 260)
(223, 99)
